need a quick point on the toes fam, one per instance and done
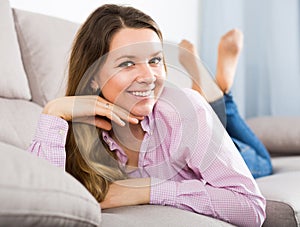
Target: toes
(232, 41)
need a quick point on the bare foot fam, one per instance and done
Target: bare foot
(229, 49)
(201, 78)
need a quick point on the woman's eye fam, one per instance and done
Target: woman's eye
(126, 64)
(155, 60)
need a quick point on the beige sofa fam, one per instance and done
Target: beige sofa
(33, 55)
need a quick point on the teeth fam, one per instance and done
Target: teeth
(141, 93)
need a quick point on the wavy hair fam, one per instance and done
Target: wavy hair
(89, 159)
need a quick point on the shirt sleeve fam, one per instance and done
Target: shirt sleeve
(50, 139)
(221, 185)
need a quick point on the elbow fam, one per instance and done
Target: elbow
(251, 214)
(261, 214)
(258, 212)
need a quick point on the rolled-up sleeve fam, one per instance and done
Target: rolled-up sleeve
(50, 140)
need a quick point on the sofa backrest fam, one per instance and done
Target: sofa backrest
(33, 50)
(45, 43)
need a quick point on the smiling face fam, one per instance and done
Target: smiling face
(133, 73)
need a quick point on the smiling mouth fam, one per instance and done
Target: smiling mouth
(141, 93)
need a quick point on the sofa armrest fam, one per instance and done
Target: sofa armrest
(33, 192)
(280, 135)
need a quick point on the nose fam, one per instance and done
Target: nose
(145, 74)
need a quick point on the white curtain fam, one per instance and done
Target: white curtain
(268, 76)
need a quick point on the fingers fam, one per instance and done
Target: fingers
(87, 107)
(114, 113)
(123, 114)
(95, 121)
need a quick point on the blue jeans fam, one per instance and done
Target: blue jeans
(250, 147)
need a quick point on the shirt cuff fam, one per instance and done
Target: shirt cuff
(163, 192)
(52, 129)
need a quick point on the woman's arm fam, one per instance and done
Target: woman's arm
(127, 192)
(222, 193)
(227, 192)
(51, 133)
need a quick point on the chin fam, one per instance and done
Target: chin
(142, 111)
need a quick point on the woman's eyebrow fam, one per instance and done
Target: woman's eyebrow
(125, 56)
(156, 53)
(133, 57)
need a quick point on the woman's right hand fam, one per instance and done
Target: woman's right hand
(85, 108)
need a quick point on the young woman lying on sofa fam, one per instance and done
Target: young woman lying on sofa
(132, 139)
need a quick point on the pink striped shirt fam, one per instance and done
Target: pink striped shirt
(192, 162)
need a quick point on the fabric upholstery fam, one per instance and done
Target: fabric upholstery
(18, 120)
(280, 135)
(13, 80)
(35, 193)
(45, 45)
(136, 216)
(286, 164)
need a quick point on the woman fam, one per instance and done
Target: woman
(131, 139)
(218, 94)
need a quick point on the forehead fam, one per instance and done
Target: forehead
(132, 41)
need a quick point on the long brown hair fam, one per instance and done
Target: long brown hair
(89, 159)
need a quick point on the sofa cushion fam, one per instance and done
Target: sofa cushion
(18, 120)
(285, 164)
(45, 45)
(35, 193)
(158, 216)
(13, 80)
(280, 135)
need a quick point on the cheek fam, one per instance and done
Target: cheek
(160, 72)
(160, 79)
(112, 88)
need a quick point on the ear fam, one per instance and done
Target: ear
(94, 85)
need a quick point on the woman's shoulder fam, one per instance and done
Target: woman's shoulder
(181, 96)
(183, 102)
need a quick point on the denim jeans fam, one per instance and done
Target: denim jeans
(252, 150)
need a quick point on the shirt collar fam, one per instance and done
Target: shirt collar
(109, 141)
(147, 123)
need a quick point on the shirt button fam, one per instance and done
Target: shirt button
(61, 132)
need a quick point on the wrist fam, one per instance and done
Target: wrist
(139, 188)
(144, 191)
(52, 109)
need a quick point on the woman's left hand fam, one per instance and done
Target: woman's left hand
(127, 192)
